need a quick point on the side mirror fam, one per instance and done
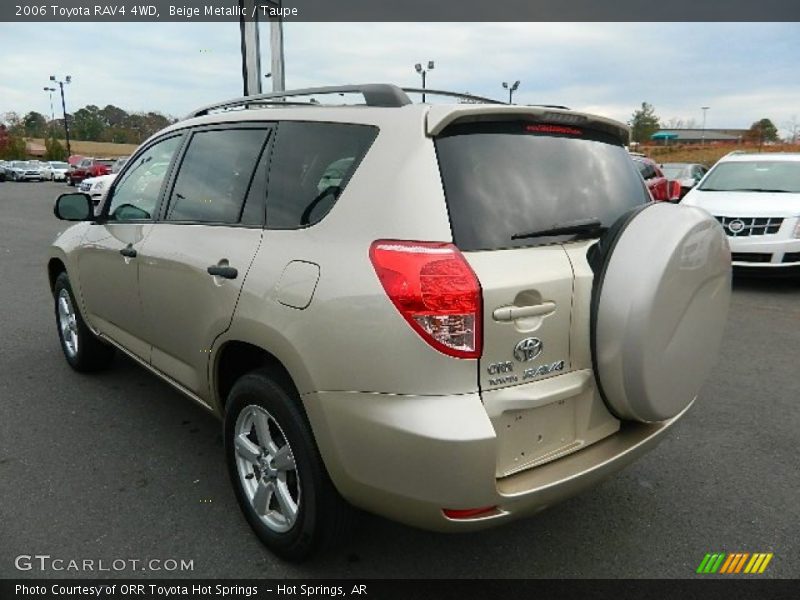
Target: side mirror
(74, 207)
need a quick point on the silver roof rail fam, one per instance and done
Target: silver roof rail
(375, 94)
(430, 92)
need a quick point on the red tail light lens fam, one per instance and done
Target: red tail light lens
(674, 190)
(435, 290)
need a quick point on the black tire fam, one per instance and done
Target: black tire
(323, 517)
(91, 353)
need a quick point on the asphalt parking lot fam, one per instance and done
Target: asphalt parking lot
(120, 466)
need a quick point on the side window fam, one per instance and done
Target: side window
(311, 165)
(135, 196)
(215, 175)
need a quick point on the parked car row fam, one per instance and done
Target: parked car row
(756, 199)
(28, 170)
(73, 171)
(754, 196)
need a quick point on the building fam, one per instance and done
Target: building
(698, 136)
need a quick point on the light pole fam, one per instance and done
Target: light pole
(703, 135)
(418, 68)
(511, 89)
(67, 80)
(52, 112)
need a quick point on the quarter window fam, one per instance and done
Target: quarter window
(136, 194)
(215, 175)
(311, 165)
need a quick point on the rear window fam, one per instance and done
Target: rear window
(755, 176)
(502, 179)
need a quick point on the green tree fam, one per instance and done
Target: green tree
(54, 150)
(35, 124)
(762, 131)
(644, 123)
(87, 123)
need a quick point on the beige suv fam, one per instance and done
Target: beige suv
(450, 315)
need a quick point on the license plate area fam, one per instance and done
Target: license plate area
(534, 436)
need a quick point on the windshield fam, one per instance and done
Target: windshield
(59, 165)
(754, 176)
(675, 171)
(509, 178)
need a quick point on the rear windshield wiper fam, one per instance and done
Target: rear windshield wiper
(584, 226)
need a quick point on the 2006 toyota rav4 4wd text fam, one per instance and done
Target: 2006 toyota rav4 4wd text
(449, 315)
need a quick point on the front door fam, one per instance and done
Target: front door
(110, 251)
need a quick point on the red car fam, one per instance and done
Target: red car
(661, 188)
(89, 167)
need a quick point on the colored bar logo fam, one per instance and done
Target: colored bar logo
(734, 563)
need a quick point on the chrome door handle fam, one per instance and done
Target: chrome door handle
(512, 313)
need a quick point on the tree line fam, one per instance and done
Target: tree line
(644, 122)
(90, 123)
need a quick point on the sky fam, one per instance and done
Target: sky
(742, 72)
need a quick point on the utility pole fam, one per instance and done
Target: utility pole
(52, 112)
(418, 68)
(67, 80)
(703, 135)
(511, 89)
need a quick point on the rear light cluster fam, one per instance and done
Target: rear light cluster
(435, 290)
(674, 190)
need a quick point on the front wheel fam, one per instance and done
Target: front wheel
(83, 351)
(277, 472)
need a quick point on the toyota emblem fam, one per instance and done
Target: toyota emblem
(528, 349)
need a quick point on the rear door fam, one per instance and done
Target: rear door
(506, 185)
(197, 256)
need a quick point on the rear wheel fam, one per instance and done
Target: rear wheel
(83, 351)
(277, 472)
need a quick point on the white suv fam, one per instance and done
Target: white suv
(756, 198)
(449, 315)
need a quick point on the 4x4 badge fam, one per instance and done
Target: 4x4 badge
(528, 349)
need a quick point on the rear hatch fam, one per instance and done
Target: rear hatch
(527, 194)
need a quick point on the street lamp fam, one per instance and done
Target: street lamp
(511, 89)
(418, 68)
(67, 80)
(703, 135)
(52, 112)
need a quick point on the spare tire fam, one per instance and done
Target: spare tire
(660, 302)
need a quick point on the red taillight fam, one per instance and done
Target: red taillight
(674, 190)
(467, 513)
(435, 290)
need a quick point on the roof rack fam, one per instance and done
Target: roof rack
(375, 94)
(429, 92)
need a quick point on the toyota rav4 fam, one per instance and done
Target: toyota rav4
(451, 315)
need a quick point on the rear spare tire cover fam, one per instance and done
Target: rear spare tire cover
(659, 310)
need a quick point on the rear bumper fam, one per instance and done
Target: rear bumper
(409, 457)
